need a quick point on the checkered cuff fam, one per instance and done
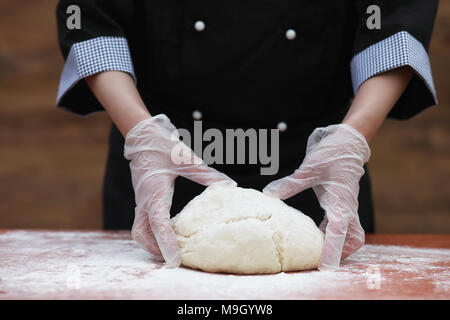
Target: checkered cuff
(93, 56)
(400, 49)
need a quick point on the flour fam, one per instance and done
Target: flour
(95, 265)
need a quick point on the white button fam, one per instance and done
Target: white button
(197, 115)
(282, 126)
(291, 34)
(199, 25)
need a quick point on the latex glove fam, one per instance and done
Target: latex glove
(333, 166)
(157, 158)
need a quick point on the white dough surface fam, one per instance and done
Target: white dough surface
(243, 231)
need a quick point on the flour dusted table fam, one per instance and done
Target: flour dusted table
(45, 264)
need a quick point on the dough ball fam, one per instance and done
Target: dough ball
(236, 230)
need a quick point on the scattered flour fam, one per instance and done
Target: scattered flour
(96, 265)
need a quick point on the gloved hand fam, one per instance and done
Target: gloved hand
(333, 166)
(157, 158)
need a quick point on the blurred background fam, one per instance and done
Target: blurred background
(52, 162)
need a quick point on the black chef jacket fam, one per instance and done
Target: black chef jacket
(243, 64)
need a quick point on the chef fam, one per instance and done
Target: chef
(324, 73)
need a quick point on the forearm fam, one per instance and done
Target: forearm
(117, 93)
(375, 98)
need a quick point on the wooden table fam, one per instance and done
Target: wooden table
(109, 265)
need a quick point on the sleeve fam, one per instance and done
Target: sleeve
(99, 44)
(402, 40)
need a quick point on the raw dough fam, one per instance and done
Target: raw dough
(236, 230)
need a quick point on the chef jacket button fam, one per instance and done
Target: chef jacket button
(291, 34)
(197, 115)
(199, 25)
(282, 126)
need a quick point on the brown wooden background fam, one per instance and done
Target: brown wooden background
(52, 162)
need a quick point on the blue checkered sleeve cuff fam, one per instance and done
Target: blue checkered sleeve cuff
(93, 56)
(400, 49)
